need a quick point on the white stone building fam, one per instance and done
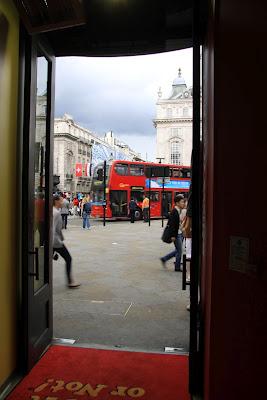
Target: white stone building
(173, 123)
(74, 145)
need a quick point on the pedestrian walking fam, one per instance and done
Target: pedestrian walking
(75, 205)
(86, 211)
(58, 240)
(65, 212)
(132, 208)
(145, 208)
(176, 234)
(79, 208)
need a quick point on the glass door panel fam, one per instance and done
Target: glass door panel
(39, 225)
(37, 197)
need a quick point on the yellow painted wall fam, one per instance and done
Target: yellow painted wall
(9, 57)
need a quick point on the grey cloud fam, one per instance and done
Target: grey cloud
(117, 94)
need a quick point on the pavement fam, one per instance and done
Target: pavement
(126, 300)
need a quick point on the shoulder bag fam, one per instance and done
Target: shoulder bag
(166, 235)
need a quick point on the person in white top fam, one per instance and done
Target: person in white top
(187, 240)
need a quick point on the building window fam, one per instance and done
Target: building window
(69, 164)
(185, 112)
(154, 196)
(169, 113)
(69, 146)
(174, 131)
(176, 153)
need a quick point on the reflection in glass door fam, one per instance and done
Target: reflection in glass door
(39, 225)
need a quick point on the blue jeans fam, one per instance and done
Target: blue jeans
(176, 253)
(86, 223)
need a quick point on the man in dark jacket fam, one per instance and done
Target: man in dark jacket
(132, 209)
(175, 232)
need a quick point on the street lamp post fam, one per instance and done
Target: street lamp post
(160, 158)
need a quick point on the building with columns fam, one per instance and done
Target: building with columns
(173, 123)
(77, 147)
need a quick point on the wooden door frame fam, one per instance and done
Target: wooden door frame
(24, 126)
(196, 336)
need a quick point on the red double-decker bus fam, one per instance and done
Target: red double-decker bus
(126, 180)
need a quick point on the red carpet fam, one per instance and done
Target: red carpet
(73, 373)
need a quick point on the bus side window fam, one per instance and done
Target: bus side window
(121, 169)
(177, 173)
(154, 196)
(136, 170)
(186, 173)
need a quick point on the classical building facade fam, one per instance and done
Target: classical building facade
(173, 124)
(77, 150)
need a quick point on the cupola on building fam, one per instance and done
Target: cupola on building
(173, 123)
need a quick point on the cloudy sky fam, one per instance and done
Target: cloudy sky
(119, 93)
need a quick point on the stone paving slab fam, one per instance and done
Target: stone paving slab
(126, 298)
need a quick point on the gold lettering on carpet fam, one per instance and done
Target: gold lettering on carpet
(80, 389)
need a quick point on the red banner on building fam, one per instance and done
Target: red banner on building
(79, 169)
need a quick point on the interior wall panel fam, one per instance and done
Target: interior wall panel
(236, 331)
(9, 58)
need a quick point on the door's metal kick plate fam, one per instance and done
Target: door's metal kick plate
(63, 341)
(174, 349)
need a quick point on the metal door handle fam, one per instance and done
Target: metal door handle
(36, 274)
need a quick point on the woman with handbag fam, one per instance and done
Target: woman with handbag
(175, 232)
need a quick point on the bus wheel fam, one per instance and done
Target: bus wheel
(138, 214)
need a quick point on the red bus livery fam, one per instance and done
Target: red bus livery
(126, 180)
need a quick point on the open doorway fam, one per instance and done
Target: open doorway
(29, 96)
(128, 298)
